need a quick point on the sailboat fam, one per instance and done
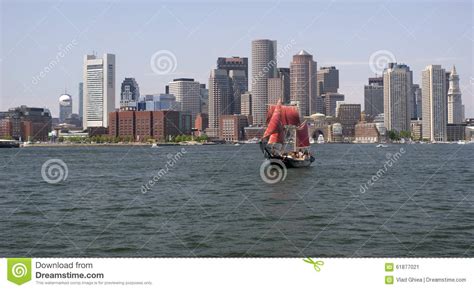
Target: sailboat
(286, 139)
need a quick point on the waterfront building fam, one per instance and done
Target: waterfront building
(81, 100)
(140, 126)
(416, 129)
(99, 90)
(231, 127)
(65, 107)
(373, 97)
(366, 133)
(26, 123)
(129, 95)
(327, 80)
(254, 132)
(456, 132)
(303, 82)
(188, 94)
(264, 66)
(455, 107)
(417, 102)
(434, 103)
(201, 123)
(219, 99)
(330, 102)
(348, 115)
(398, 83)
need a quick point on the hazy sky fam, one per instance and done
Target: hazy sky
(346, 34)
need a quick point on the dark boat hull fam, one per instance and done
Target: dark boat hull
(9, 145)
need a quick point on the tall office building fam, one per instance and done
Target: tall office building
(81, 100)
(397, 86)
(328, 80)
(99, 90)
(204, 99)
(264, 66)
(246, 104)
(188, 93)
(303, 71)
(416, 102)
(275, 90)
(434, 103)
(348, 115)
(284, 75)
(219, 99)
(373, 97)
(65, 107)
(239, 85)
(234, 63)
(129, 95)
(455, 108)
(330, 103)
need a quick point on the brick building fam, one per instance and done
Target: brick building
(231, 127)
(159, 125)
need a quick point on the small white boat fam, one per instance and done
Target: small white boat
(461, 142)
(236, 144)
(381, 146)
(320, 139)
(154, 145)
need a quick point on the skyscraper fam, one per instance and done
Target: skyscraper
(239, 85)
(246, 104)
(188, 93)
(434, 103)
(303, 82)
(455, 110)
(219, 99)
(65, 107)
(330, 103)
(284, 75)
(397, 86)
(373, 97)
(416, 106)
(129, 95)
(264, 66)
(99, 90)
(234, 63)
(328, 80)
(81, 100)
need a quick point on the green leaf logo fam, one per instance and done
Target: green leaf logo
(19, 270)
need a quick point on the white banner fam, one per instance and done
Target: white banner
(237, 273)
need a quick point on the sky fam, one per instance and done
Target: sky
(43, 43)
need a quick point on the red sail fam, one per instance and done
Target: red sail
(274, 126)
(302, 135)
(289, 115)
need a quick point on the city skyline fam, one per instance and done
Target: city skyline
(350, 53)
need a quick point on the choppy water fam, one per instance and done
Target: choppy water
(212, 202)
